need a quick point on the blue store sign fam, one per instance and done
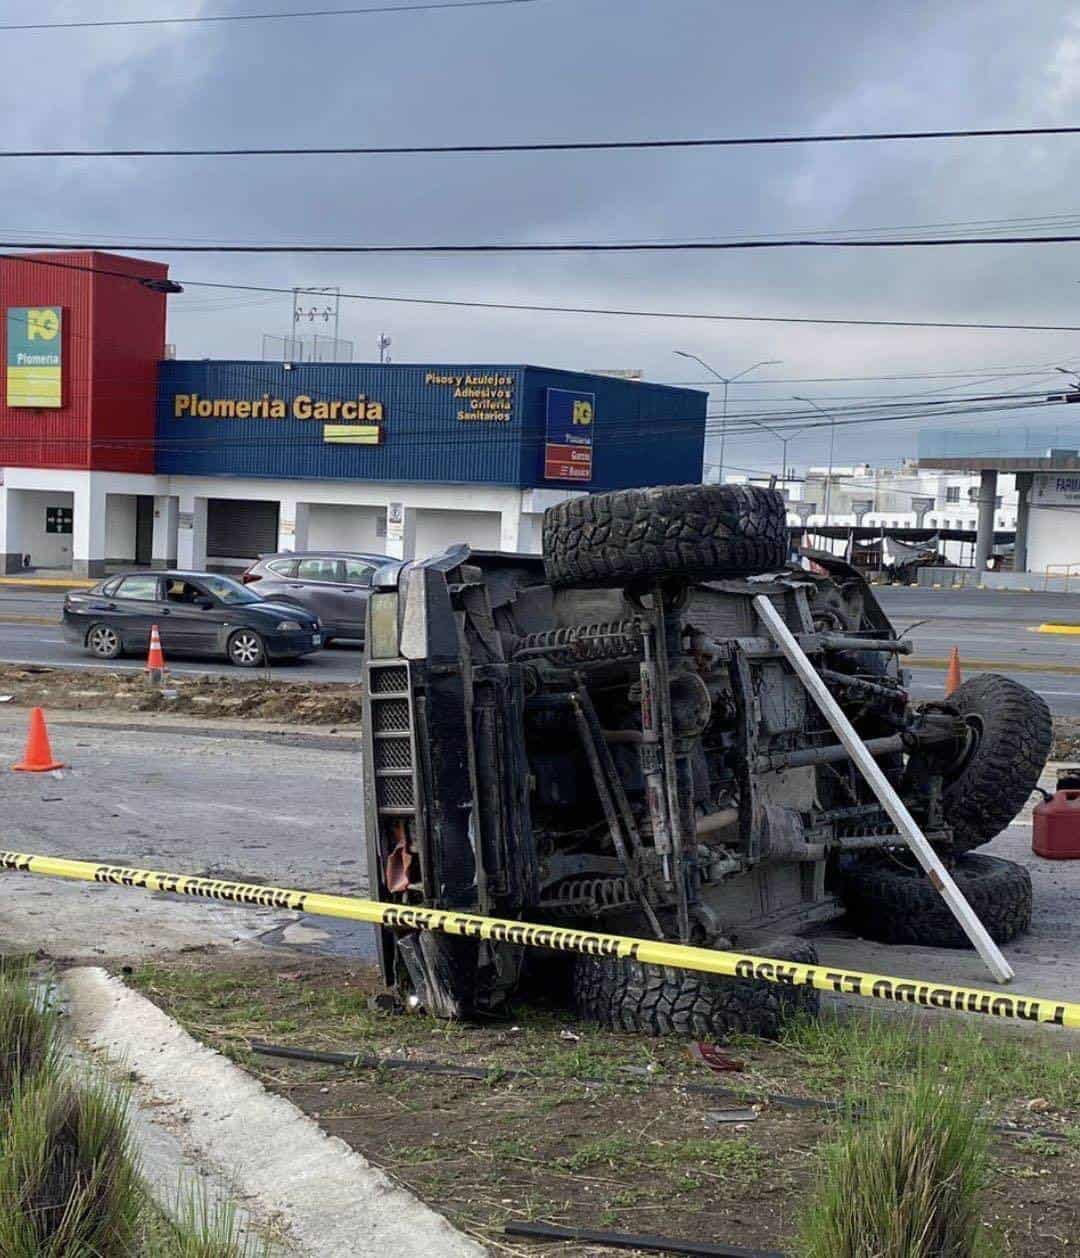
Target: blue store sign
(569, 440)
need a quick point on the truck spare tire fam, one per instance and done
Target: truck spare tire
(658, 1000)
(1010, 736)
(693, 531)
(893, 901)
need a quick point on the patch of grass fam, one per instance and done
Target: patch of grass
(204, 1229)
(862, 1053)
(1041, 1147)
(604, 1151)
(68, 1183)
(735, 1158)
(905, 1183)
(28, 1030)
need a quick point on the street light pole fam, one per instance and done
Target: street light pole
(832, 446)
(726, 380)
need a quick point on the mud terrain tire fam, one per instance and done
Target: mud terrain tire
(625, 995)
(695, 531)
(1013, 733)
(894, 903)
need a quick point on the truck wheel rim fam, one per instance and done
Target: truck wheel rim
(103, 641)
(246, 648)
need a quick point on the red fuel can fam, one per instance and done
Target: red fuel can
(1056, 828)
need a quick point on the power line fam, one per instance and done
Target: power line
(67, 236)
(550, 146)
(537, 308)
(678, 246)
(259, 17)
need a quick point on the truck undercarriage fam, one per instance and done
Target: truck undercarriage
(610, 736)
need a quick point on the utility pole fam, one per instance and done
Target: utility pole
(726, 380)
(832, 447)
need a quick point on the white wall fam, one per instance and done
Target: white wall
(346, 528)
(435, 530)
(27, 525)
(1053, 537)
(120, 516)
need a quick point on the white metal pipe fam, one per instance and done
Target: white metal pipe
(884, 790)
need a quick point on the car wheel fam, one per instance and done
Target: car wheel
(104, 642)
(246, 649)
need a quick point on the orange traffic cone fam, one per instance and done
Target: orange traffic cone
(155, 659)
(38, 757)
(952, 677)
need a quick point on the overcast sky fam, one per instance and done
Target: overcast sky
(584, 69)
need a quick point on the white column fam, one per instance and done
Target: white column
(401, 534)
(10, 554)
(166, 523)
(88, 537)
(510, 530)
(1023, 519)
(293, 520)
(984, 528)
(191, 533)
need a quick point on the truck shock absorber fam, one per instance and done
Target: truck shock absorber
(649, 754)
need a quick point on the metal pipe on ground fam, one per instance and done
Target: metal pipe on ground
(624, 1240)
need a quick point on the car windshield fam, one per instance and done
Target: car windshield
(228, 591)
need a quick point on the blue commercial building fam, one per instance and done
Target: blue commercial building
(117, 455)
(402, 458)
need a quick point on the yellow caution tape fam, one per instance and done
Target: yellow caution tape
(903, 991)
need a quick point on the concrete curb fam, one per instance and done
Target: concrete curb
(281, 1163)
(1074, 627)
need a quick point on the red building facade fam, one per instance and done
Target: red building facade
(112, 340)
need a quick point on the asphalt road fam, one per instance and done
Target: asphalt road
(994, 631)
(990, 628)
(232, 804)
(30, 634)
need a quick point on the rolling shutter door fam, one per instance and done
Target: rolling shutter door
(240, 529)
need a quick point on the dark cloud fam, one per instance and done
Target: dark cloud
(584, 68)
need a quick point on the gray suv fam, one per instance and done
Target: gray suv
(331, 584)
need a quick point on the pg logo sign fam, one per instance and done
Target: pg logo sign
(583, 413)
(43, 325)
(35, 366)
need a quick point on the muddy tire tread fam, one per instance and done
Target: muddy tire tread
(892, 904)
(988, 794)
(693, 531)
(626, 995)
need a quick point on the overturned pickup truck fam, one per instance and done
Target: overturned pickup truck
(609, 736)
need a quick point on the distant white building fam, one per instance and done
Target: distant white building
(895, 498)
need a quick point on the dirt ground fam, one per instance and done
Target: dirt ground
(302, 703)
(305, 703)
(567, 1124)
(1066, 739)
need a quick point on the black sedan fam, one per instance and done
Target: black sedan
(197, 613)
